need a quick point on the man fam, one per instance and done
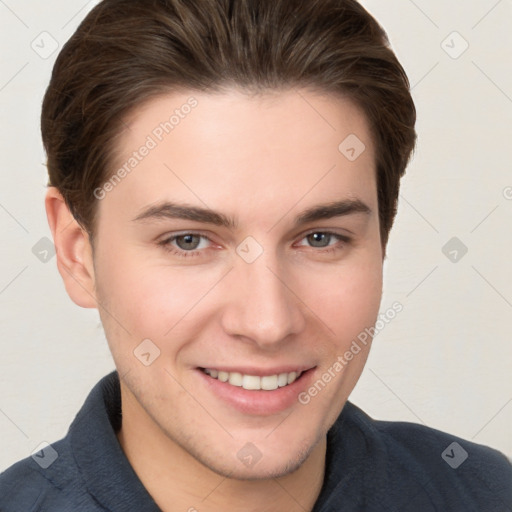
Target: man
(223, 180)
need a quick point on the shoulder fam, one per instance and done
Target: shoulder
(452, 469)
(48, 480)
(429, 447)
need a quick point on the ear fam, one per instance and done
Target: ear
(73, 251)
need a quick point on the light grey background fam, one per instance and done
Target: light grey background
(445, 360)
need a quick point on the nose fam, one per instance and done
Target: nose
(262, 306)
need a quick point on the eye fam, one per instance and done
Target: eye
(323, 239)
(186, 244)
(189, 244)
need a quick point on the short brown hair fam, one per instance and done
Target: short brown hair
(128, 51)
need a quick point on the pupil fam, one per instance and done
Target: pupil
(188, 239)
(319, 238)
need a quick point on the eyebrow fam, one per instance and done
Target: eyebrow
(170, 210)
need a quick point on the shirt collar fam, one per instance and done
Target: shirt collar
(108, 475)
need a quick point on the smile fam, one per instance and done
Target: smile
(254, 382)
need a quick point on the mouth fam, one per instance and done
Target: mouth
(254, 382)
(257, 391)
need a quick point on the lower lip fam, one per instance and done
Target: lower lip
(258, 402)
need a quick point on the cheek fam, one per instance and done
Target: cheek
(346, 298)
(151, 298)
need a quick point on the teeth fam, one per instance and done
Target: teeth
(250, 382)
(269, 382)
(253, 382)
(282, 379)
(235, 379)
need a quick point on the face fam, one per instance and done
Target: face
(243, 245)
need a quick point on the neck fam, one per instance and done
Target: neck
(178, 481)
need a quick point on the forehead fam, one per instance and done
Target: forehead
(241, 152)
(221, 116)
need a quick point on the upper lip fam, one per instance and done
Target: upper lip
(260, 372)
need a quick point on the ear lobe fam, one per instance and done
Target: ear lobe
(73, 251)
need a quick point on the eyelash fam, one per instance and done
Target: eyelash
(166, 243)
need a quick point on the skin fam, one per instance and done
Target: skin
(261, 160)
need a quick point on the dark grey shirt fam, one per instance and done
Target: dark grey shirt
(370, 466)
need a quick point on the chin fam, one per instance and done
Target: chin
(264, 470)
(251, 463)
